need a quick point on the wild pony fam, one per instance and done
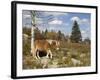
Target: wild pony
(43, 48)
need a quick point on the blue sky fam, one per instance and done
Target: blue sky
(56, 21)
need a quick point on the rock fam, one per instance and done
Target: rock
(75, 61)
(44, 61)
(54, 64)
(64, 58)
(82, 55)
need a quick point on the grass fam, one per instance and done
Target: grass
(69, 55)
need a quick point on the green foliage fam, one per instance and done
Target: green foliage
(26, 42)
(52, 35)
(27, 31)
(38, 34)
(45, 33)
(76, 34)
(59, 35)
(26, 47)
(87, 40)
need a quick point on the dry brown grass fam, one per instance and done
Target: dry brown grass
(62, 58)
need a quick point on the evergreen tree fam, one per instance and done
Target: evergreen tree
(45, 33)
(59, 35)
(76, 33)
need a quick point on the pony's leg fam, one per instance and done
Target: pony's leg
(49, 53)
(37, 54)
(34, 52)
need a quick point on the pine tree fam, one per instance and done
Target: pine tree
(76, 34)
(45, 33)
(59, 35)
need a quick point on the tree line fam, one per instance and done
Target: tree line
(75, 37)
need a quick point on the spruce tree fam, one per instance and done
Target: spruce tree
(76, 33)
(59, 35)
(46, 33)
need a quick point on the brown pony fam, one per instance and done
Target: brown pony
(44, 46)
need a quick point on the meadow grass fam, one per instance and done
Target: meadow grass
(69, 55)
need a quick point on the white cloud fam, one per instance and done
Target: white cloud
(80, 21)
(27, 16)
(56, 21)
(83, 32)
(39, 20)
(75, 18)
(84, 21)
